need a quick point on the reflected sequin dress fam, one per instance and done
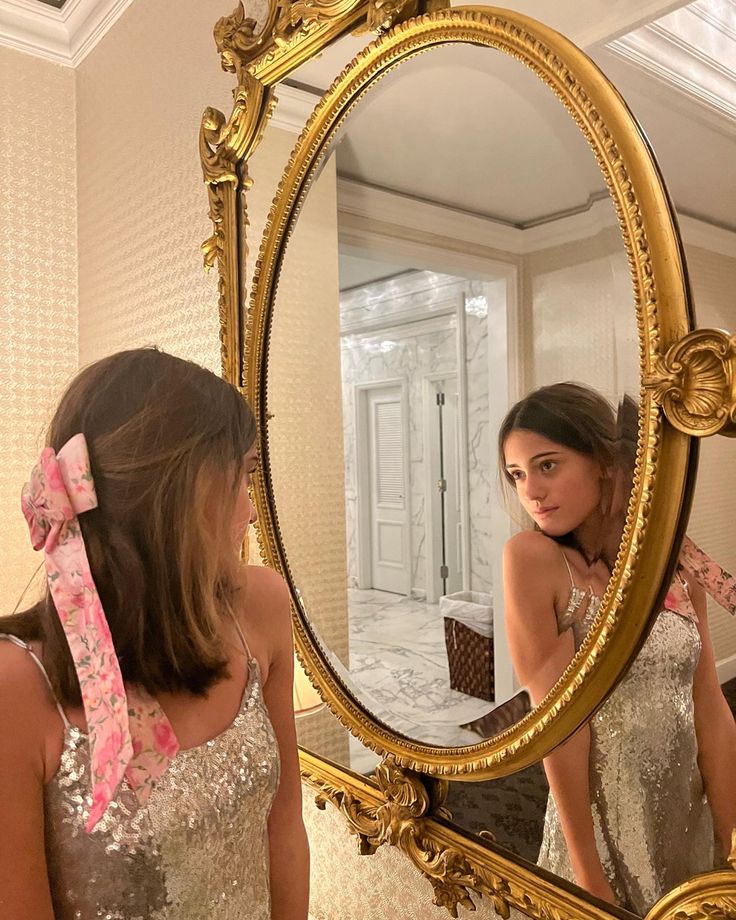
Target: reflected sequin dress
(652, 824)
(197, 850)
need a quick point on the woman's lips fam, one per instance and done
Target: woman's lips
(543, 512)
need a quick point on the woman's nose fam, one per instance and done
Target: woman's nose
(535, 490)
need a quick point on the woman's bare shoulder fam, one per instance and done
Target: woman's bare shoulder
(26, 703)
(262, 584)
(530, 545)
(533, 573)
(265, 612)
(264, 599)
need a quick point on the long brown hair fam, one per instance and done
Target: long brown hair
(166, 440)
(580, 418)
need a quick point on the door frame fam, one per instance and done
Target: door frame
(433, 526)
(509, 337)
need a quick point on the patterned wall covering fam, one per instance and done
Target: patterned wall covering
(713, 279)
(384, 886)
(38, 283)
(305, 432)
(142, 203)
(582, 316)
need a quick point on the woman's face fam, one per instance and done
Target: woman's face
(244, 513)
(558, 487)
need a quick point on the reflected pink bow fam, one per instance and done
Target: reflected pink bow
(712, 577)
(716, 580)
(129, 734)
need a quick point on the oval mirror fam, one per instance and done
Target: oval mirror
(439, 271)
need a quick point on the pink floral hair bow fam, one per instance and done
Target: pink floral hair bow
(129, 735)
(715, 580)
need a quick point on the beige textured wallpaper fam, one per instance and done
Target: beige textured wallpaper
(304, 395)
(384, 886)
(142, 204)
(38, 282)
(713, 279)
(305, 432)
(580, 301)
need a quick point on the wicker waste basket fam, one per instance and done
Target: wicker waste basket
(468, 619)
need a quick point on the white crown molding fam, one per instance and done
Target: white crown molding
(389, 214)
(293, 109)
(619, 21)
(64, 36)
(691, 50)
(719, 24)
(365, 203)
(29, 27)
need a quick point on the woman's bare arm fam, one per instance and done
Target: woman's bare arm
(716, 731)
(24, 885)
(289, 850)
(540, 655)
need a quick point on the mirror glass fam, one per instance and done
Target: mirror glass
(439, 270)
(474, 257)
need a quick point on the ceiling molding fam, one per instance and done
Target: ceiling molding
(64, 36)
(293, 109)
(391, 214)
(377, 205)
(616, 22)
(693, 51)
(707, 15)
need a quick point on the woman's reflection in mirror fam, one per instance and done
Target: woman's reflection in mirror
(636, 794)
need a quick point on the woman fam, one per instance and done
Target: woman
(627, 818)
(148, 765)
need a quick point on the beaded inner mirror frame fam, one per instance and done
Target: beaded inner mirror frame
(686, 392)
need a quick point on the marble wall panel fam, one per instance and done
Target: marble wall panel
(407, 353)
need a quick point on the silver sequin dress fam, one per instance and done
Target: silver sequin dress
(652, 824)
(198, 849)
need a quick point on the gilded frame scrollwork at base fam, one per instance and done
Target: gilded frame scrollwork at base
(687, 377)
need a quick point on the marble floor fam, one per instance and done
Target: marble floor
(398, 666)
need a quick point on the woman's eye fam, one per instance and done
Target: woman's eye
(548, 465)
(516, 475)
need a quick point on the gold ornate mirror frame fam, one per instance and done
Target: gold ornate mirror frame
(689, 375)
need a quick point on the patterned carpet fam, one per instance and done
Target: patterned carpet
(512, 808)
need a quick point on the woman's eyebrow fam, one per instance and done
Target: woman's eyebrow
(546, 453)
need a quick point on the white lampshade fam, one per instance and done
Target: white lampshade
(306, 698)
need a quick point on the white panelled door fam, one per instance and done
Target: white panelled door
(389, 504)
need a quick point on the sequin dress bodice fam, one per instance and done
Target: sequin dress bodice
(645, 785)
(197, 850)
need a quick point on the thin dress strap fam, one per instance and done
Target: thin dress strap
(569, 570)
(242, 638)
(574, 604)
(21, 644)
